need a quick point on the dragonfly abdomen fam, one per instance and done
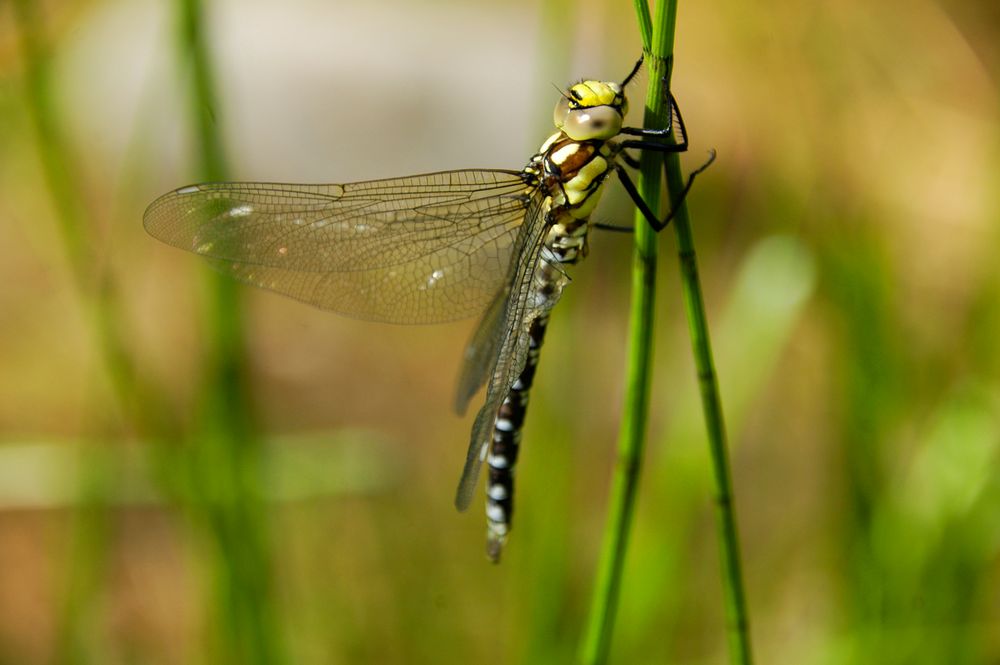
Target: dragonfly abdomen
(506, 442)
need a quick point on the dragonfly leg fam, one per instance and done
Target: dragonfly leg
(661, 139)
(635, 70)
(629, 159)
(633, 192)
(505, 445)
(612, 227)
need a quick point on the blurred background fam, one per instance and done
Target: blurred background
(197, 472)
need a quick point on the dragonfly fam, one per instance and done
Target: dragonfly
(439, 247)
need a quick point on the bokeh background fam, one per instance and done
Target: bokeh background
(185, 482)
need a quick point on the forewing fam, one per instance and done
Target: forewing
(420, 249)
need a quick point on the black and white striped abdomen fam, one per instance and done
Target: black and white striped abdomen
(506, 443)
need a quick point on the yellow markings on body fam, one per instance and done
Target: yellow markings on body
(549, 141)
(587, 207)
(596, 93)
(579, 186)
(560, 230)
(579, 190)
(562, 154)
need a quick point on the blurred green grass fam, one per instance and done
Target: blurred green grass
(846, 233)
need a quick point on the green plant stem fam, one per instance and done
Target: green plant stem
(597, 637)
(737, 617)
(658, 38)
(225, 465)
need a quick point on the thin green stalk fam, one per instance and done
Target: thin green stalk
(658, 38)
(225, 464)
(737, 616)
(597, 638)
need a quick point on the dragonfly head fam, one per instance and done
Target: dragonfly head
(591, 110)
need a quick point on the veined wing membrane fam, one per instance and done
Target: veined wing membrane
(499, 349)
(419, 249)
(481, 350)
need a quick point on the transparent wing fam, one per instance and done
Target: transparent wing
(499, 348)
(481, 351)
(420, 249)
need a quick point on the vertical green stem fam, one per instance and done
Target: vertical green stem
(737, 618)
(597, 638)
(225, 464)
(658, 38)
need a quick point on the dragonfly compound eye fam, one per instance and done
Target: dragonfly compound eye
(596, 122)
(591, 110)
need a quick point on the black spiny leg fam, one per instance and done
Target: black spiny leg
(660, 140)
(505, 444)
(650, 216)
(657, 140)
(629, 159)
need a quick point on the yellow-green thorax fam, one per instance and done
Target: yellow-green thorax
(574, 163)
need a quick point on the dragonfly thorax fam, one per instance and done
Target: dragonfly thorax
(571, 175)
(573, 172)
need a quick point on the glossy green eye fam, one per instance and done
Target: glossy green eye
(598, 122)
(561, 111)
